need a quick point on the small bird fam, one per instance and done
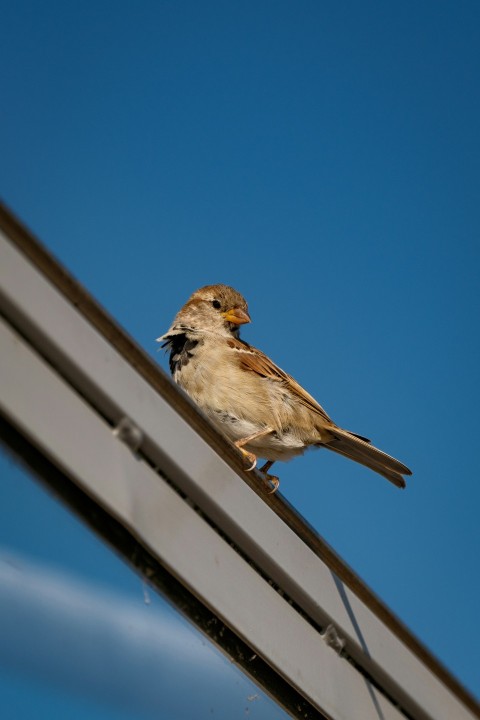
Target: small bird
(261, 409)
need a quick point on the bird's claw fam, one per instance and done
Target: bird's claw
(250, 457)
(271, 480)
(274, 481)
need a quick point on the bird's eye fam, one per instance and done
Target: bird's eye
(216, 304)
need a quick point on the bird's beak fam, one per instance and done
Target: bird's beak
(237, 316)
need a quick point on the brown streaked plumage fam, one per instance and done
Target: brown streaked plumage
(258, 406)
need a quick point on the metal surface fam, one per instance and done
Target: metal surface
(93, 354)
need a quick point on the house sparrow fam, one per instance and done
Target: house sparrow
(260, 408)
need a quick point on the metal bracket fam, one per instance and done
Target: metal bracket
(129, 433)
(333, 639)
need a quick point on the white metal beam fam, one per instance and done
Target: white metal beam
(96, 369)
(59, 422)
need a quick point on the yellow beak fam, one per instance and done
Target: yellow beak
(237, 316)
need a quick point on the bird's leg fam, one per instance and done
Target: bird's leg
(243, 441)
(273, 479)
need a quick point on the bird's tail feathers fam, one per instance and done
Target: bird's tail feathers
(362, 451)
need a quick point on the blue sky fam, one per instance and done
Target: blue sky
(324, 159)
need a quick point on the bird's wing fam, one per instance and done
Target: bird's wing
(356, 447)
(255, 361)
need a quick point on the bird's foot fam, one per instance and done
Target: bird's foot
(272, 480)
(248, 455)
(250, 458)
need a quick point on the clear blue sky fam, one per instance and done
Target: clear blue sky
(324, 159)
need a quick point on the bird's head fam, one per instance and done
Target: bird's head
(216, 309)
